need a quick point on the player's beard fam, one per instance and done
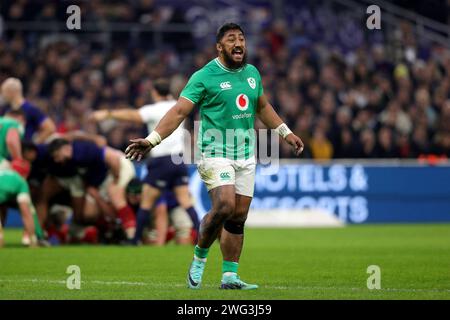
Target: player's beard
(228, 58)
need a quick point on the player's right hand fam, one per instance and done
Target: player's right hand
(138, 149)
(99, 115)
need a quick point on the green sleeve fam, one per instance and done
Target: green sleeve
(13, 124)
(260, 85)
(23, 186)
(194, 89)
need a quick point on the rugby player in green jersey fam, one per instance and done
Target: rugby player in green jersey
(14, 189)
(11, 134)
(229, 94)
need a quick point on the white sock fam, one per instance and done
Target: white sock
(199, 259)
(229, 274)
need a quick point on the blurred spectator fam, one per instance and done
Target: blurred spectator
(321, 147)
(368, 144)
(343, 93)
(394, 117)
(385, 145)
(420, 144)
(346, 147)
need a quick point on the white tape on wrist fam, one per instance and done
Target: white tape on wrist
(283, 130)
(154, 138)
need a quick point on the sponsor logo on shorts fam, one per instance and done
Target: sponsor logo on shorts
(224, 176)
(161, 183)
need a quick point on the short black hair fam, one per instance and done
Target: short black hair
(227, 27)
(134, 186)
(29, 146)
(15, 113)
(57, 144)
(162, 86)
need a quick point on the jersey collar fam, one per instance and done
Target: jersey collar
(227, 69)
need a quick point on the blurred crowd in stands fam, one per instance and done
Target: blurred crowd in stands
(384, 99)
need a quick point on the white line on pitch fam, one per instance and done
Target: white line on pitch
(130, 283)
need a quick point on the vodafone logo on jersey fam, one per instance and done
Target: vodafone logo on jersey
(242, 102)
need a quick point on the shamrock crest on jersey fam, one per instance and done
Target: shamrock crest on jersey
(251, 82)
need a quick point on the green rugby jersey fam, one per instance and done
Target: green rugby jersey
(228, 101)
(12, 186)
(5, 125)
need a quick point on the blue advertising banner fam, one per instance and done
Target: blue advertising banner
(355, 193)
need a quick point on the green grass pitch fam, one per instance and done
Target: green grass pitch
(286, 263)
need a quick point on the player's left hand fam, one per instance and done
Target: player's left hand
(138, 149)
(296, 143)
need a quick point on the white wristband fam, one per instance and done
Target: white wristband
(283, 130)
(154, 138)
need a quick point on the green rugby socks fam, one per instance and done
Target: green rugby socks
(200, 253)
(229, 268)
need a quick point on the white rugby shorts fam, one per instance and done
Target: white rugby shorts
(216, 172)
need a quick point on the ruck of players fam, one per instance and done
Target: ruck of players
(72, 188)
